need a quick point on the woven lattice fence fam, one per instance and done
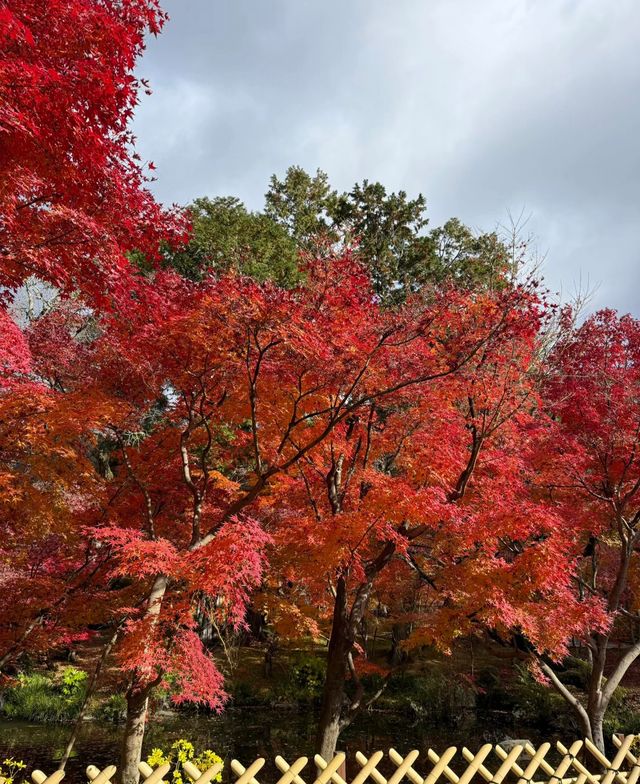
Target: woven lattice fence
(580, 763)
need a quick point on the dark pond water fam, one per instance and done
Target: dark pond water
(248, 733)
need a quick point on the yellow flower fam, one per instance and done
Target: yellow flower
(206, 760)
(156, 758)
(182, 751)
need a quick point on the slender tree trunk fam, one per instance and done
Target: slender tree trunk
(597, 695)
(13, 649)
(592, 726)
(590, 716)
(597, 729)
(333, 693)
(89, 693)
(573, 701)
(137, 705)
(333, 717)
(138, 699)
(584, 722)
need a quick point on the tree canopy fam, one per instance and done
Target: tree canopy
(73, 195)
(304, 217)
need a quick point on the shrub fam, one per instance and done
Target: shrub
(400, 683)
(576, 672)
(12, 770)
(113, 709)
(305, 680)
(73, 683)
(432, 697)
(622, 715)
(309, 674)
(245, 694)
(42, 698)
(538, 704)
(493, 693)
(183, 751)
(441, 699)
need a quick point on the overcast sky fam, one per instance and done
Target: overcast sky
(486, 107)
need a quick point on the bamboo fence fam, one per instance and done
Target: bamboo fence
(580, 763)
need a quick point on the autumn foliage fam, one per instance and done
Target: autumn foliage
(73, 197)
(175, 452)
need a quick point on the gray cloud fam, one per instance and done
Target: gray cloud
(484, 107)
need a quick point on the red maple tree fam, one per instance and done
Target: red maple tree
(420, 508)
(73, 196)
(195, 415)
(592, 474)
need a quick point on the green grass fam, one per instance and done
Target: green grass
(46, 699)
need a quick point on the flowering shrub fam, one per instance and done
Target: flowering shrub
(183, 751)
(10, 770)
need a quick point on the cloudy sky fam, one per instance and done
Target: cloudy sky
(488, 108)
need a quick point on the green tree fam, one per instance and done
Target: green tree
(305, 206)
(227, 236)
(387, 229)
(303, 214)
(455, 253)
(390, 231)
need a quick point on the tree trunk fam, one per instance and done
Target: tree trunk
(137, 704)
(138, 699)
(333, 693)
(591, 725)
(399, 633)
(596, 701)
(597, 730)
(599, 690)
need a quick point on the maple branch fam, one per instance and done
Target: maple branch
(582, 483)
(477, 439)
(374, 567)
(8, 654)
(351, 472)
(365, 457)
(55, 240)
(93, 682)
(338, 413)
(36, 200)
(619, 671)
(333, 481)
(563, 690)
(455, 367)
(620, 583)
(141, 486)
(42, 616)
(253, 378)
(293, 421)
(196, 494)
(632, 491)
(356, 704)
(312, 501)
(366, 533)
(411, 561)
(632, 616)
